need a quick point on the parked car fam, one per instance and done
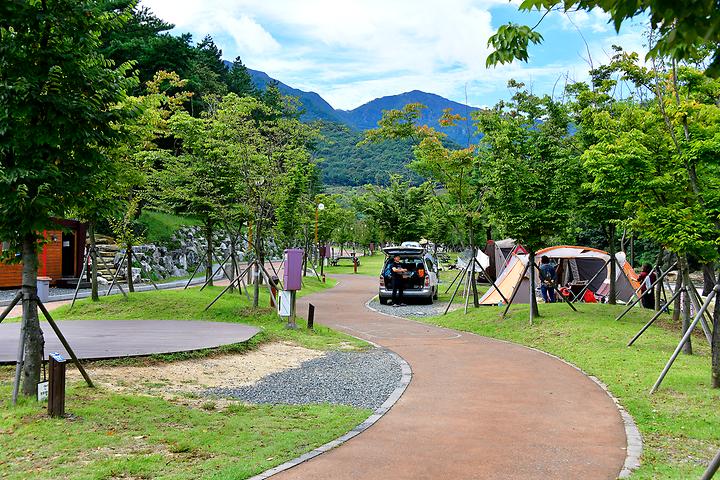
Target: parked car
(421, 280)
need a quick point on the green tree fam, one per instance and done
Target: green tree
(57, 105)
(683, 30)
(527, 167)
(397, 210)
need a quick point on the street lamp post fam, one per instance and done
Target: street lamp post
(319, 207)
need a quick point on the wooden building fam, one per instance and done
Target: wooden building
(60, 259)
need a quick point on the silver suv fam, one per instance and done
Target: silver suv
(421, 279)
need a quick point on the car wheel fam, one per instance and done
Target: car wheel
(435, 295)
(383, 301)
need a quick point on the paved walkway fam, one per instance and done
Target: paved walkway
(476, 408)
(96, 339)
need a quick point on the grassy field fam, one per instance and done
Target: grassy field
(160, 227)
(680, 424)
(118, 435)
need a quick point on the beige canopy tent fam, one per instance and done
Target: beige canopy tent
(576, 266)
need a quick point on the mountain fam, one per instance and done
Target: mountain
(343, 162)
(315, 107)
(366, 116)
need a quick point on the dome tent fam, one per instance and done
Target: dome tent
(575, 266)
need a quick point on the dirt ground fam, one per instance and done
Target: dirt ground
(189, 378)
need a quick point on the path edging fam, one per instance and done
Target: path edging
(633, 438)
(379, 412)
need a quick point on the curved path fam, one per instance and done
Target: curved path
(476, 408)
(96, 339)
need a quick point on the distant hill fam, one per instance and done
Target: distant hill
(366, 116)
(315, 107)
(346, 164)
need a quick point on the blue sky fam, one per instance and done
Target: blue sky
(351, 52)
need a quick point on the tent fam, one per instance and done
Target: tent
(513, 269)
(499, 253)
(576, 266)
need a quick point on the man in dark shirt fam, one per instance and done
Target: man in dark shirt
(547, 279)
(646, 278)
(398, 281)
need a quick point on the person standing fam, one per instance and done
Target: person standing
(646, 278)
(398, 281)
(548, 277)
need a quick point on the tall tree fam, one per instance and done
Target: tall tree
(682, 29)
(527, 166)
(57, 94)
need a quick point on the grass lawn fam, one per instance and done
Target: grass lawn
(680, 424)
(369, 265)
(161, 226)
(119, 435)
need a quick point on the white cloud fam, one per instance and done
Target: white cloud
(354, 51)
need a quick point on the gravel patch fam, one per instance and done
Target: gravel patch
(409, 311)
(359, 379)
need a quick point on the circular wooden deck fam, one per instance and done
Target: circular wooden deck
(103, 339)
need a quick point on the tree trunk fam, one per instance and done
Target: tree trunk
(677, 304)
(233, 263)
(659, 286)
(34, 341)
(93, 263)
(256, 272)
(612, 295)
(129, 266)
(209, 252)
(687, 348)
(716, 345)
(708, 278)
(534, 312)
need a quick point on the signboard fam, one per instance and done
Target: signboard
(284, 303)
(42, 391)
(292, 273)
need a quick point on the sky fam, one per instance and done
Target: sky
(351, 52)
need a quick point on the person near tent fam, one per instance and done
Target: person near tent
(548, 277)
(398, 281)
(646, 278)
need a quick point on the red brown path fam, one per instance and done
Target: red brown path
(476, 407)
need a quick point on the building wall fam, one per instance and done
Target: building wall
(49, 263)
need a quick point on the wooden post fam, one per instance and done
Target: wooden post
(311, 316)
(56, 387)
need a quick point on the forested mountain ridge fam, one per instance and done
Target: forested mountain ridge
(345, 163)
